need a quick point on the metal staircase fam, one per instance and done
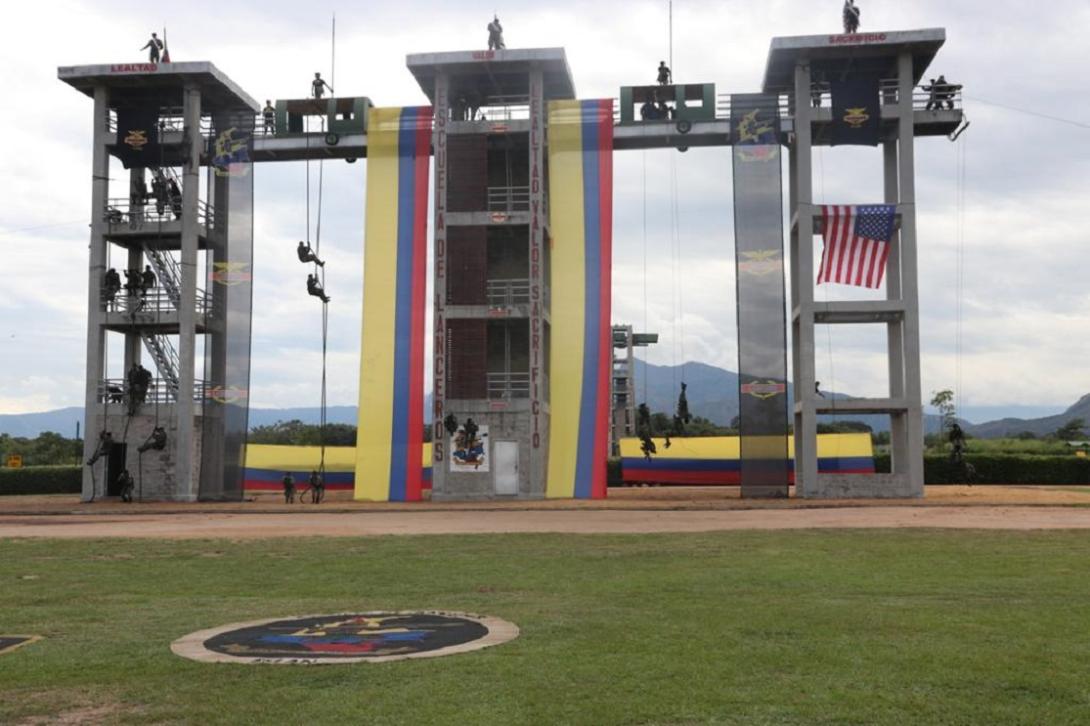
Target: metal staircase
(169, 273)
(165, 356)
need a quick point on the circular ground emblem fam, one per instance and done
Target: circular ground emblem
(346, 638)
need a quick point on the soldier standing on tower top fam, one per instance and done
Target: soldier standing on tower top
(851, 17)
(665, 77)
(495, 34)
(153, 47)
(318, 86)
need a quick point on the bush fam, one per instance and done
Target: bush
(1002, 469)
(41, 480)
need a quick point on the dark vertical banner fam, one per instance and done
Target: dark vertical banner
(137, 141)
(229, 307)
(857, 114)
(762, 324)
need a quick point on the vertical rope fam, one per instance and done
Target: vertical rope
(825, 290)
(646, 352)
(959, 273)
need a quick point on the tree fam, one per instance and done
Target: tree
(943, 401)
(1025, 436)
(1072, 430)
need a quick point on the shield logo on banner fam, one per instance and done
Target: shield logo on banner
(763, 389)
(231, 273)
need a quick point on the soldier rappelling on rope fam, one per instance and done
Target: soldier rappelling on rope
(157, 440)
(643, 431)
(682, 416)
(315, 288)
(306, 254)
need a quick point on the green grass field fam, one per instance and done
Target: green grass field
(858, 627)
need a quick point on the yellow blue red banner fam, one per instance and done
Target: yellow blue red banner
(391, 404)
(581, 222)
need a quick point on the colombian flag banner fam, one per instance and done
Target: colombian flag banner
(389, 439)
(581, 220)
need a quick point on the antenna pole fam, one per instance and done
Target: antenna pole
(670, 25)
(333, 55)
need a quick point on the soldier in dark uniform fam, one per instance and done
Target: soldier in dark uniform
(147, 280)
(851, 17)
(665, 76)
(957, 444)
(105, 442)
(157, 440)
(153, 47)
(111, 284)
(125, 482)
(269, 114)
(306, 254)
(317, 487)
(175, 195)
(159, 192)
(289, 487)
(315, 288)
(318, 86)
(643, 431)
(495, 34)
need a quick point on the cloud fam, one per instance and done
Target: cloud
(1023, 295)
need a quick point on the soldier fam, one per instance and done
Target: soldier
(111, 284)
(315, 288)
(665, 76)
(495, 34)
(153, 47)
(317, 487)
(289, 487)
(643, 431)
(944, 92)
(306, 254)
(157, 440)
(105, 443)
(318, 86)
(159, 192)
(269, 114)
(851, 17)
(147, 280)
(125, 482)
(957, 444)
(175, 195)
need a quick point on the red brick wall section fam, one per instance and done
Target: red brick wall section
(467, 364)
(467, 173)
(467, 265)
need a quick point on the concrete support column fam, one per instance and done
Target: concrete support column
(96, 315)
(802, 289)
(909, 274)
(439, 283)
(187, 473)
(898, 422)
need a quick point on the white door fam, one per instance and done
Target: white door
(505, 467)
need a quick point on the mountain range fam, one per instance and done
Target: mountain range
(712, 393)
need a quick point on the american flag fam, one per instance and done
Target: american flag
(856, 243)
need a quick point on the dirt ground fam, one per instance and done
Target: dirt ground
(662, 509)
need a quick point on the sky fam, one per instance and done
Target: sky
(1007, 199)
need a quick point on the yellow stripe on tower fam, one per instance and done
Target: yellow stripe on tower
(375, 428)
(566, 219)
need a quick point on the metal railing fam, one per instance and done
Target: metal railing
(121, 212)
(159, 391)
(505, 293)
(509, 199)
(168, 271)
(172, 120)
(156, 301)
(164, 354)
(508, 385)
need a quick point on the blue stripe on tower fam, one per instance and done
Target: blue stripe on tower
(592, 241)
(406, 199)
